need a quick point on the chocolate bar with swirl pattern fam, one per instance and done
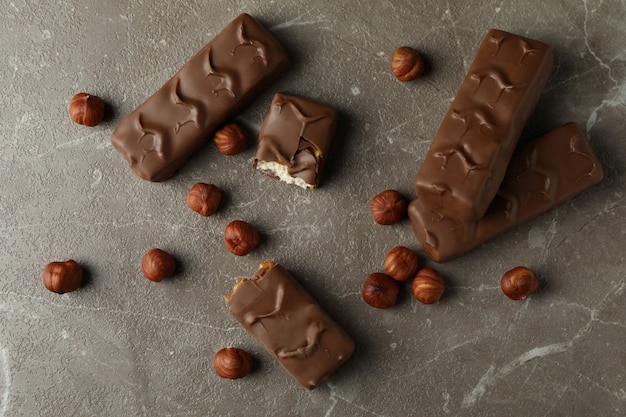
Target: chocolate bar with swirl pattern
(281, 315)
(548, 171)
(468, 157)
(160, 135)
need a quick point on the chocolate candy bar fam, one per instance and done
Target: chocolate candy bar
(469, 154)
(160, 135)
(283, 317)
(295, 140)
(545, 173)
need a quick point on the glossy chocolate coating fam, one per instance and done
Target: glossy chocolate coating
(297, 133)
(468, 157)
(160, 135)
(548, 171)
(282, 316)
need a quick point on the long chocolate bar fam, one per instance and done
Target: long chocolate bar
(468, 157)
(548, 171)
(160, 135)
(295, 140)
(284, 318)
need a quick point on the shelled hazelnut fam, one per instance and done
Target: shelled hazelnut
(231, 139)
(204, 198)
(407, 64)
(232, 363)
(380, 290)
(240, 237)
(62, 277)
(428, 286)
(86, 109)
(157, 265)
(401, 263)
(519, 283)
(388, 207)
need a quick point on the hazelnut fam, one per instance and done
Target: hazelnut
(204, 198)
(406, 64)
(380, 290)
(401, 263)
(428, 286)
(519, 283)
(232, 363)
(86, 109)
(240, 237)
(62, 277)
(231, 139)
(158, 264)
(388, 207)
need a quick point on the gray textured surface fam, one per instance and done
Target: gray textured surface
(122, 345)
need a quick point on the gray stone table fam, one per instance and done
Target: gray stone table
(124, 346)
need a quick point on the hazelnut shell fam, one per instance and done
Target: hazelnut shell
(401, 263)
(407, 64)
(240, 238)
(232, 363)
(86, 109)
(380, 290)
(204, 199)
(62, 277)
(388, 207)
(428, 286)
(519, 283)
(231, 139)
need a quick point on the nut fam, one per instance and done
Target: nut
(232, 363)
(62, 277)
(401, 263)
(388, 207)
(231, 139)
(86, 109)
(519, 283)
(380, 290)
(158, 264)
(428, 286)
(240, 237)
(407, 64)
(204, 198)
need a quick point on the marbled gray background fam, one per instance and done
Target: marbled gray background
(124, 346)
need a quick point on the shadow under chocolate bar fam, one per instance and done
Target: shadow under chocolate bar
(160, 135)
(284, 318)
(468, 157)
(548, 171)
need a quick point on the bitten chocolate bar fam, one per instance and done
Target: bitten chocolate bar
(468, 157)
(295, 139)
(160, 135)
(545, 173)
(282, 316)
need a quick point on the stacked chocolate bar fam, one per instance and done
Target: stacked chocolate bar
(471, 187)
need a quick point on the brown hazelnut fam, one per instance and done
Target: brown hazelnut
(428, 286)
(240, 237)
(519, 283)
(232, 363)
(231, 139)
(86, 109)
(388, 207)
(401, 263)
(158, 264)
(62, 277)
(407, 64)
(204, 198)
(380, 290)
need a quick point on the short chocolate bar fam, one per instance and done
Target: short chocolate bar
(282, 316)
(468, 157)
(160, 135)
(548, 171)
(295, 140)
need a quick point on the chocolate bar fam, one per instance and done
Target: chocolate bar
(295, 140)
(284, 318)
(548, 171)
(468, 157)
(160, 135)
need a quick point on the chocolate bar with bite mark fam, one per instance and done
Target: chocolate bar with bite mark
(290, 324)
(468, 157)
(295, 139)
(548, 171)
(225, 76)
